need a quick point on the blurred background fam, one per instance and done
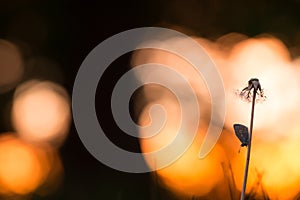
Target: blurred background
(42, 45)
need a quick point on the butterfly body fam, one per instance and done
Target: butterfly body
(242, 134)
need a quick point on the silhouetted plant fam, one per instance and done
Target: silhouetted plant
(249, 94)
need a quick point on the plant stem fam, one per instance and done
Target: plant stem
(249, 147)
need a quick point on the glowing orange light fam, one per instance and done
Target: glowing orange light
(202, 176)
(274, 158)
(275, 163)
(41, 112)
(268, 60)
(22, 167)
(205, 173)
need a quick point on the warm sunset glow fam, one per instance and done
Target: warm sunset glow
(203, 176)
(11, 65)
(41, 112)
(274, 156)
(274, 166)
(23, 168)
(268, 60)
(200, 178)
(183, 67)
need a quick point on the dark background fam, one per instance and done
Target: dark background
(66, 31)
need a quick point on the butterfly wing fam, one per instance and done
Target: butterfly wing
(242, 133)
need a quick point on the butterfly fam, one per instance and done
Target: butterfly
(242, 133)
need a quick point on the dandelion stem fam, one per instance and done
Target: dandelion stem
(249, 147)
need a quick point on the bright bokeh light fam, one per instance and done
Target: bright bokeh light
(11, 65)
(41, 112)
(274, 166)
(177, 177)
(274, 161)
(182, 66)
(23, 168)
(279, 167)
(205, 173)
(201, 179)
(268, 60)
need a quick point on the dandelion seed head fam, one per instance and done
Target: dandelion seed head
(246, 94)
